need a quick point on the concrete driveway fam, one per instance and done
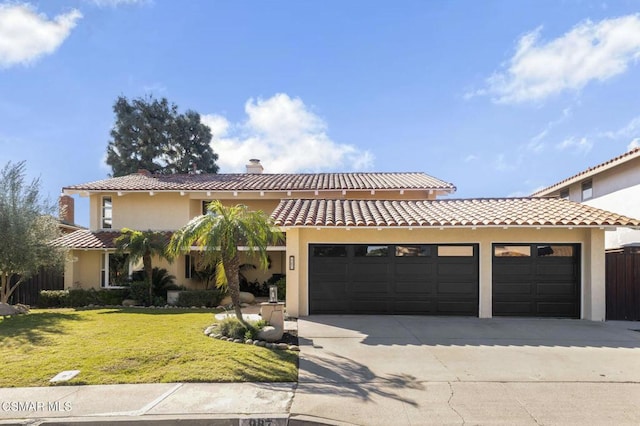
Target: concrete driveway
(376, 370)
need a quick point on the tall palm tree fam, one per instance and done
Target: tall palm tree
(143, 245)
(219, 233)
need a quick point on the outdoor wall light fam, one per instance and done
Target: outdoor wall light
(273, 294)
(292, 263)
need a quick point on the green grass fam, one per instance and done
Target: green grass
(112, 346)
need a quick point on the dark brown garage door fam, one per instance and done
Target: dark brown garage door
(419, 279)
(536, 280)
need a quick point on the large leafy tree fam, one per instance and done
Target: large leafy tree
(219, 233)
(150, 134)
(142, 245)
(26, 228)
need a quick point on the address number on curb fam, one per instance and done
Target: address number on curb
(282, 421)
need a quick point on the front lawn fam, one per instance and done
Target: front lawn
(130, 345)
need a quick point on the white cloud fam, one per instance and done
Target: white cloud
(469, 158)
(590, 51)
(26, 35)
(631, 130)
(579, 145)
(285, 135)
(634, 144)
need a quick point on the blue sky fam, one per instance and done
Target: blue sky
(500, 98)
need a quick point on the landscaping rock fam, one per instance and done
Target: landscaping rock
(294, 348)
(6, 310)
(248, 342)
(257, 342)
(282, 346)
(246, 297)
(237, 341)
(270, 334)
(130, 302)
(262, 343)
(209, 330)
(270, 345)
(22, 309)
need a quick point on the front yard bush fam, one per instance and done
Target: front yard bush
(139, 290)
(52, 298)
(231, 327)
(208, 298)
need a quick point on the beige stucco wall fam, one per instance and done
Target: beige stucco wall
(591, 240)
(82, 269)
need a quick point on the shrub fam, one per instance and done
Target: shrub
(113, 296)
(52, 298)
(161, 279)
(255, 288)
(139, 290)
(231, 327)
(282, 288)
(208, 298)
(80, 297)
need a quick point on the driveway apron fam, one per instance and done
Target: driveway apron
(448, 370)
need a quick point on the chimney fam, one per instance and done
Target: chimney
(144, 172)
(65, 206)
(254, 166)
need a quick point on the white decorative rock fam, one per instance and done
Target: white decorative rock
(294, 348)
(282, 346)
(246, 297)
(209, 330)
(270, 334)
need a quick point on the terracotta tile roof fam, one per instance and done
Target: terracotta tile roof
(591, 171)
(436, 213)
(85, 239)
(267, 182)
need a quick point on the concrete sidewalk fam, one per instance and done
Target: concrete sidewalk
(389, 370)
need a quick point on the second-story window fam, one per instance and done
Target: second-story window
(587, 190)
(564, 194)
(106, 218)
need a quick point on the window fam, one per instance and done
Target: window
(447, 251)
(413, 251)
(106, 213)
(330, 251)
(587, 190)
(189, 266)
(555, 250)
(511, 251)
(205, 204)
(371, 251)
(115, 270)
(564, 194)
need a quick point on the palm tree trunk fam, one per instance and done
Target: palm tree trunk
(231, 270)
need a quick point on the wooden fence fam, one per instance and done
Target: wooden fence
(623, 285)
(27, 293)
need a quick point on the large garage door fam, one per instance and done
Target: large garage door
(420, 279)
(539, 280)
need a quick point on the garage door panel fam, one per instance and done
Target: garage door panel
(513, 308)
(368, 287)
(455, 307)
(456, 288)
(412, 287)
(556, 289)
(512, 287)
(545, 282)
(514, 269)
(455, 269)
(402, 281)
(555, 269)
(552, 308)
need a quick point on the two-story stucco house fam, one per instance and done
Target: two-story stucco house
(613, 185)
(375, 243)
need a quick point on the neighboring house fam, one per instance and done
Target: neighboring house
(613, 185)
(375, 243)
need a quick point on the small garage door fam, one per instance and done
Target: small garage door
(536, 280)
(419, 279)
